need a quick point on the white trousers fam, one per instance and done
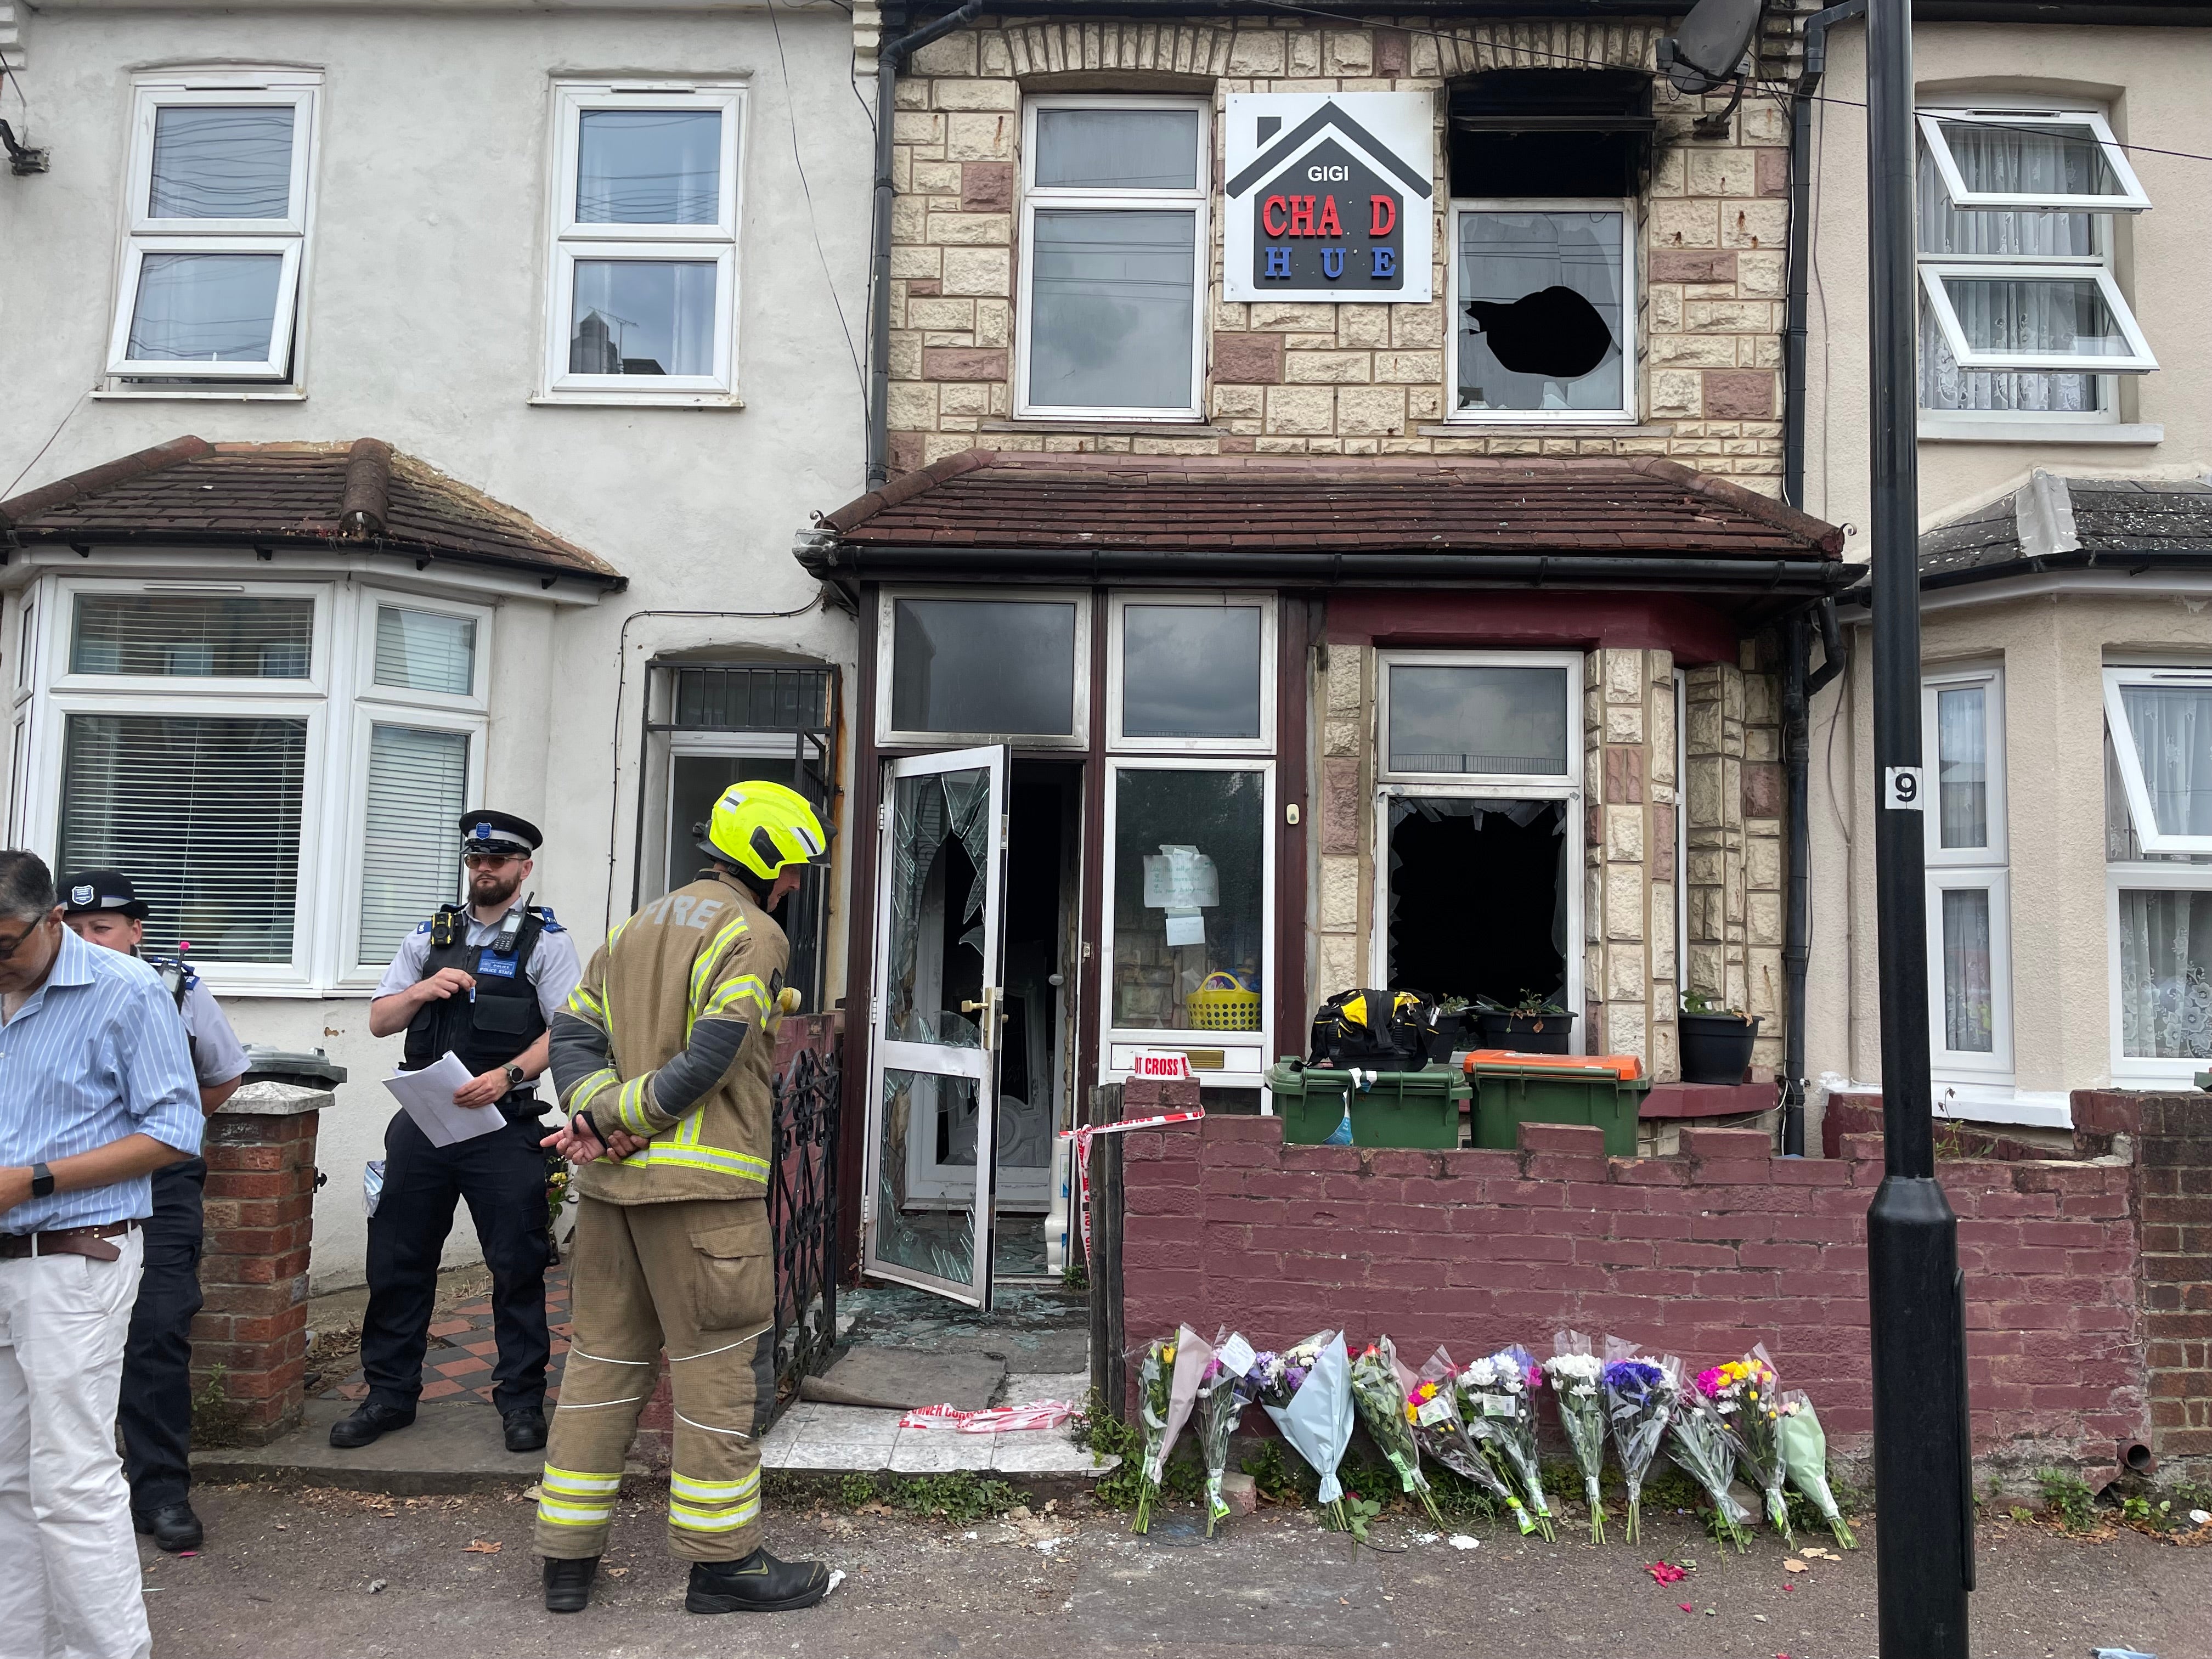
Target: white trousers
(70, 1588)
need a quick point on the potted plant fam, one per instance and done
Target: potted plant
(1534, 1025)
(1716, 1040)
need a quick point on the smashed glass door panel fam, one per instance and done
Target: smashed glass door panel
(940, 854)
(927, 1121)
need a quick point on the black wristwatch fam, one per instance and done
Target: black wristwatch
(514, 1075)
(42, 1181)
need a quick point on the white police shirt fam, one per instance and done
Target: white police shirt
(217, 1056)
(553, 967)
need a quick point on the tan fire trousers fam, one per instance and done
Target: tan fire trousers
(698, 1278)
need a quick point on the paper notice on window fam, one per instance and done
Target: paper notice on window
(1179, 877)
(428, 1094)
(1186, 927)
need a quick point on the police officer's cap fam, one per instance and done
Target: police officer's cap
(484, 830)
(92, 891)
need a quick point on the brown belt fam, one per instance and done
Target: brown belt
(67, 1241)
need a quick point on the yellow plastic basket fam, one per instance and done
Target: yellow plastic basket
(1223, 1005)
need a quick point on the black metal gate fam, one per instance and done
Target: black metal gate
(803, 1210)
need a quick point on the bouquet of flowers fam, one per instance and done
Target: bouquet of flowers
(1497, 1401)
(1805, 1455)
(1167, 1388)
(1307, 1392)
(1574, 1371)
(1638, 1400)
(1745, 1394)
(1223, 1394)
(1699, 1440)
(1384, 1413)
(1433, 1403)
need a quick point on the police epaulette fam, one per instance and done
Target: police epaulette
(545, 916)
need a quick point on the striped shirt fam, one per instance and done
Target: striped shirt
(95, 1053)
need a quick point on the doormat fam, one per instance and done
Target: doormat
(902, 1379)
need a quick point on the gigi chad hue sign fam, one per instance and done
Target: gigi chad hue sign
(1330, 196)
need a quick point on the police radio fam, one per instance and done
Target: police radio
(510, 929)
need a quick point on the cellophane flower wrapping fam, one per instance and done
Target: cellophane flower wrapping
(1306, 1391)
(1805, 1456)
(1380, 1399)
(1222, 1398)
(1154, 1373)
(1441, 1433)
(1699, 1440)
(1748, 1397)
(1639, 1401)
(1573, 1372)
(1497, 1401)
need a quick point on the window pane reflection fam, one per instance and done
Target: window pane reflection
(1189, 897)
(1114, 299)
(1190, 670)
(648, 166)
(206, 307)
(643, 317)
(1117, 149)
(217, 162)
(983, 665)
(1500, 720)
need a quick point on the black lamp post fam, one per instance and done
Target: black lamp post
(1924, 1447)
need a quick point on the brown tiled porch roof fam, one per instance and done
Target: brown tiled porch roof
(362, 495)
(1616, 507)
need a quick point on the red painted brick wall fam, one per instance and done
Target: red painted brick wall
(259, 1214)
(1702, 1255)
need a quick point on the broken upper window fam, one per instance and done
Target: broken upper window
(1542, 310)
(2021, 311)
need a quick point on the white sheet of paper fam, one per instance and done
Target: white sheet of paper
(428, 1094)
(1236, 1355)
(1186, 927)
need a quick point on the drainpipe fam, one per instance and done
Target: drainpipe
(1799, 688)
(1800, 227)
(889, 55)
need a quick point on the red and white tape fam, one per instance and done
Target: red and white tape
(998, 1419)
(1082, 1135)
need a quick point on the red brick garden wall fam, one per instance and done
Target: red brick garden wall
(1701, 1255)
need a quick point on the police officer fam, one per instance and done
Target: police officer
(482, 981)
(157, 1410)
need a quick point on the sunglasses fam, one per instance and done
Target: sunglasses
(492, 861)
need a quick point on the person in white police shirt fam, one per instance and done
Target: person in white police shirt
(103, 907)
(96, 1093)
(484, 982)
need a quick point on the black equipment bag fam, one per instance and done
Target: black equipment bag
(1384, 1030)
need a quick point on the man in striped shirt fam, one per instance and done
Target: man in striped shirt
(96, 1093)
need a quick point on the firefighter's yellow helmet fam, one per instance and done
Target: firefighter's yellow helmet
(765, 827)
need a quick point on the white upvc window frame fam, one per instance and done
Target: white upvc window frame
(1525, 786)
(572, 241)
(1248, 1051)
(338, 699)
(2177, 1071)
(1195, 599)
(1984, 869)
(289, 236)
(2131, 762)
(1198, 200)
(888, 737)
(2130, 197)
(1630, 309)
(1933, 273)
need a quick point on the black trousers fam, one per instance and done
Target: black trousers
(503, 1176)
(156, 1409)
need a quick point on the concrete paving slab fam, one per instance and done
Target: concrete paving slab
(451, 1446)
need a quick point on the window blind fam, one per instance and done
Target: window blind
(425, 651)
(411, 838)
(202, 814)
(190, 637)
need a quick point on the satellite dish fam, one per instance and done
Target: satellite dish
(1708, 50)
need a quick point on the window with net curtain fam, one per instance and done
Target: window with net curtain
(2055, 314)
(1966, 913)
(2162, 899)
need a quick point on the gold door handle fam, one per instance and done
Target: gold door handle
(987, 1009)
(975, 1007)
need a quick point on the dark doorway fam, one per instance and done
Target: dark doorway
(1478, 904)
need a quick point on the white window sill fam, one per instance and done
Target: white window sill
(1184, 426)
(136, 394)
(1596, 427)
(637, 400)
(1982, 1102)
(1948, 431)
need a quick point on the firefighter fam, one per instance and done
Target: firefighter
(663, 1061)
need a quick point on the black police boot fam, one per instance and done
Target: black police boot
(568, 1584)
(525, 1429)
(173, 1527)
(371, 1419)
(759, 1583)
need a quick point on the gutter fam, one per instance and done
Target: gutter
(82, 541)
(1799, 688)
(889, 55)
(1800, 242)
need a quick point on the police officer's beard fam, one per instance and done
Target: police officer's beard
(487, 889)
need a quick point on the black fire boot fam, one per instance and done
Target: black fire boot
(173, 1526)
(568, 1584)
(370, 1420)
(759, 1583)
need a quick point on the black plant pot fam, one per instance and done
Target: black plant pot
(1528, 1034)
(1716, 1047)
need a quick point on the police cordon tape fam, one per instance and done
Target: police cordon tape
(1082, 1135)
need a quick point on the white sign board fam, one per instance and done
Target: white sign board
(1331, 195)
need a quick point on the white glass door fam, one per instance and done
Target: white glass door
(934, 1036)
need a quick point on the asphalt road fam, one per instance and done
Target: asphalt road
(289, 1575)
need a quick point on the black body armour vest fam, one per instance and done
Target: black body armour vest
(500, 1022)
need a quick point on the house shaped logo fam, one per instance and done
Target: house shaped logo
(1330, 197)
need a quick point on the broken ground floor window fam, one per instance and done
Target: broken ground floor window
(1478, 897)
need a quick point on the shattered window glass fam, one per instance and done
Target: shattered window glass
(1541, 298)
